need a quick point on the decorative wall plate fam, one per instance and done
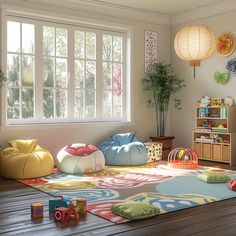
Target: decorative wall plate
(225, 44)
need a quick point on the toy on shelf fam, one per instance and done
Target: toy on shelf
(37, 211)
(183, 158)
(205, 101)
(229, 101)
(62, 214)
(214, 114)
(207, 123)
(217, 102)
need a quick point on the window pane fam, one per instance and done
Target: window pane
(79, 103)
(13, 36)
(79, 73)
(48, 103)
(61, 73)
(90, 103)
(13, 101)
(90, 46)
(117, 103)
(107, 78)
(27, 103)
(117, 72)
(90, 75)
(48, 41)
(28, 38)
(107, 47)
(107, 104)
(48, 71)
(61, 103)
(13, 69)
(117, 48)
(61, 40)
(27, 71)
(79, 44)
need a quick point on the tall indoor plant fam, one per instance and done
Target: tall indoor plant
(162, 81)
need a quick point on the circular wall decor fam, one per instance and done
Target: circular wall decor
(231, 66)
(221, 78)
(225, 44)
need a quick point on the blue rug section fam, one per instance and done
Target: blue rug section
(191, 185)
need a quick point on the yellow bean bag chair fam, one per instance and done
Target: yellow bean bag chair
(25, 159)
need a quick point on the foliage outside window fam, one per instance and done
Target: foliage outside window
(58, 72)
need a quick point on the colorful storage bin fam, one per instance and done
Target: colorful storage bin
(154, 151)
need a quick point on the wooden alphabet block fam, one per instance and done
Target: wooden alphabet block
(82, 203)
(61, 214)
(37, 210)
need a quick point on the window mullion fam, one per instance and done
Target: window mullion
(99, 76)
(38, 83)
(70, 73)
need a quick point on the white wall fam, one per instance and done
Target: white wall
(55, 136)
(182, 122)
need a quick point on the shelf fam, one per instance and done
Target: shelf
(228, 144)
(204, 159)
(225, 149)
(202, 127)
(211, 107)
(211, 118)
(210, 132)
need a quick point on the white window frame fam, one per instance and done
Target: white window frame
(126, 76)
(126, 98)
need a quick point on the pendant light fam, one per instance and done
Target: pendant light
(195, 43)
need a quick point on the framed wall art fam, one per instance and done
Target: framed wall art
(150, 49)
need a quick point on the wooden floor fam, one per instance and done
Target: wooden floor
(208, 220)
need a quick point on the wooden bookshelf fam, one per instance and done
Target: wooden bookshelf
(214, 137)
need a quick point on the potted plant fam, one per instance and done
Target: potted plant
(162, 81)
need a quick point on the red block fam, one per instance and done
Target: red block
(37, 210)
(61, 214)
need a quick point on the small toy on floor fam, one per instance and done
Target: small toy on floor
(62, 214)
(183, 158)
(37, 211)
(82, 203)
(55, 203)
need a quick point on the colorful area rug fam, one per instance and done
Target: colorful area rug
(169, 189)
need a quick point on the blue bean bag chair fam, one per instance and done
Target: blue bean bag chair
(124, 149)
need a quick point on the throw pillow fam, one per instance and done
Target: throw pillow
(213, 178)
(232, 185)
(81, 149)
(135, 211)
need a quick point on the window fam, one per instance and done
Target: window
(64, 73)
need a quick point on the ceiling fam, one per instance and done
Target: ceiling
(168, 7)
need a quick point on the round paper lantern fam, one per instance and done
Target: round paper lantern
(195, 43)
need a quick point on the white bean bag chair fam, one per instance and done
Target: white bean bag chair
(80, 158)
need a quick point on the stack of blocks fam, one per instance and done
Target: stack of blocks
(154, 151)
